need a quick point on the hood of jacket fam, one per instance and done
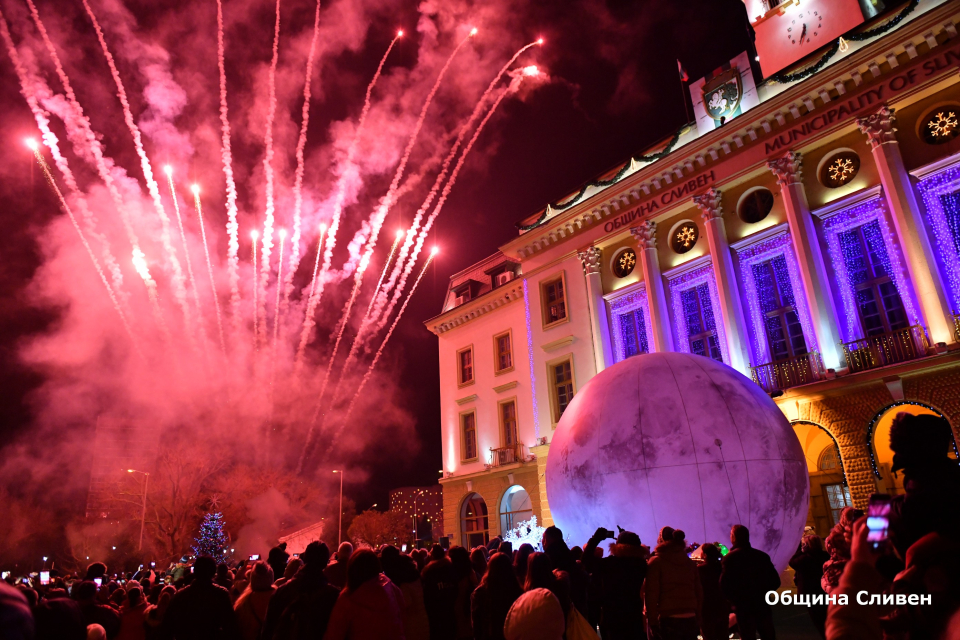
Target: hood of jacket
(375, 595)
(672, 553)
(629, 551)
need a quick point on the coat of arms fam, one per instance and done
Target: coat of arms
(722, 94)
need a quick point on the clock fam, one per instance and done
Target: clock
(805, 27)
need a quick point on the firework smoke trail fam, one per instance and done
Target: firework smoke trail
(86, 245)
(276, 311)
(179, 289)
(267, 242)
(83, 124)
(317, 292)
(183, 238)
(512, 88)
(298, 176)
(316, 263)
(398, 271)
(206, 253)
(233, 243)
(256, 285)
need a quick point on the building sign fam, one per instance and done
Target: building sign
(653, 204)
(724, 94)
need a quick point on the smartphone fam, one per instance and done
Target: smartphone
(878, 520)
(153, 564)
(404, 549)
(99, 581)
(44, 577)
(5, 575)
(255, 556)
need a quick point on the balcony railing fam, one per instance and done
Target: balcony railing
(506, 455)
(886, 348)
(956, 326)
(774, 376)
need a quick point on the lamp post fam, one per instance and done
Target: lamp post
(416, 524)
(143, 512)
(340, 526)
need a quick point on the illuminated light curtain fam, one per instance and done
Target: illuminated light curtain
(533, 377)
(843, 255)
(689, 282)
(628, 312)
(779, 250)
(941, 195)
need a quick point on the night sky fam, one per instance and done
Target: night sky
(613, 90)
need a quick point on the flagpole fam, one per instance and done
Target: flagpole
(684, 89)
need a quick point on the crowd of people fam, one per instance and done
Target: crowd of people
(676, 591)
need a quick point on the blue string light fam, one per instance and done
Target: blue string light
(941, 195)
(685, 282)
(623, 310)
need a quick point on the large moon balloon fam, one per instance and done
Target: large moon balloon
(680, 440)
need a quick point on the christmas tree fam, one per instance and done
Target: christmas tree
(211, 541)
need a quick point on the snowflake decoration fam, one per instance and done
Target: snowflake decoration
(686, 236)
(943, 123)
(526, 532)
(627, 260)
(841, 170)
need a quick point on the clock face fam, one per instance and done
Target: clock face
(805, 27)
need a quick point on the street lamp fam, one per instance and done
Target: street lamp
(143, 513)
(416, 525)
(340, 526)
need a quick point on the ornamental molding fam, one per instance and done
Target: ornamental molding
(788, 168)
(841, 205)
(762, 236)
(475, 308)
(558, 344)
(879, 127)
(936, 167)
(506, 387)
(645, 234)
(466, 399)
(687, 267)
(631, 289)
(710, 204)
(590, 259)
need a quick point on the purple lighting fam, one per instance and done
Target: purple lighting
(621, 308)
(533, 378)
(690, 280)
(941, 195)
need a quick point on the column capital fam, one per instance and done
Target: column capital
(879, 127)
(710, 205)
(645, 234)
(590, 258)
(788, 168)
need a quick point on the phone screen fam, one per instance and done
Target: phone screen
(878, 520)
(255, 556)
(5, 575)
(99, 581)
(44, 577)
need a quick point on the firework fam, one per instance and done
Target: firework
(267, 241)
(206, 252)
(276, 310)
(256, 322)
(233, 246)
(168, 170)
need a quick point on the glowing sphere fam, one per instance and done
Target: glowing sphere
(679, 440)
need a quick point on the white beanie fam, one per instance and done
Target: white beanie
(536, 615)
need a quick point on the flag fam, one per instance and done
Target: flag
(683, 73)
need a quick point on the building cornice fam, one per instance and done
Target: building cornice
(935, 167)
(828, 211)
(475, 308)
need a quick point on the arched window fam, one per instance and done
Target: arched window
(474, 524)
(829, 493)
(515, 508)
(829, 460)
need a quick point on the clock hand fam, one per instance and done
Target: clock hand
(803, 33)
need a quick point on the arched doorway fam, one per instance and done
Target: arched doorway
(515, 507)
(878, 442)
(829, 492)
(474, 524)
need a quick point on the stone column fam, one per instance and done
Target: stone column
(600, 325)
(806, 247)
(646, 237)
(908, 221)
(542, 451)
(731, 309)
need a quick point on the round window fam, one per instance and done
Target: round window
(624, 263)
(839, 169)
(684, 237)
(941, 125)
(755, 205)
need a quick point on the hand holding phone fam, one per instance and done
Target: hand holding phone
(878, 521)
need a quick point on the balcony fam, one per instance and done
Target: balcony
(793, 372)
(886, 349)
(956, 326)
(506, 455)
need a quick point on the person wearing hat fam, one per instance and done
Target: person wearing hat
(621, 576)
(931, 480)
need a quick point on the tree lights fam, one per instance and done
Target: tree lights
(691, 280)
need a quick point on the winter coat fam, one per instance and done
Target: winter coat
(440, 590)
(374, 611)
(15, 617)
(748, 574)
(132, 622)
(277, 559)
(621, 577)
(808, 570)
(536, 615)
(336, 574)
(301, 608)
(672, 585)
(201, 611)
(715, 606)
(855, 621)
(488, 610)
(103, 615)
(416, 625)
(465, 588)
(251, 609)
(563, 560)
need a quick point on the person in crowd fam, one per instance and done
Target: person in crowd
(715, 611)
(153, 619)
(520, 561)
(277, 559)
(202, 610)
(506, 548)
(620, 578)
(467, 581)
(576, 552)
(440, 595)
(494, 545)
(292, 568)
(838, 547)
(402, 571)
(673, 597)
(241, 580)
(535, 615)
(59, 619)
(748, 574)
(251, 606)
(807, 564)
(555, 547)
(337, 571)
(492, 599)
(96, 570)
(478, 558)
(16, 620)
(420, 556)
(301, 608)
(96, 632)
(224, 576)
(132, 616)
(93, 612)
(370, 608)
(541, 575)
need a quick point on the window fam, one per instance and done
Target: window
(468, 429)
(868, 268)
(561, 379)
(465, 366)
(838, 498)
(755, 205)
(474, 524)
(503, 352)
(508, 423)
(781, 321)
(829, 459)
(553, 295)
(633, 333)
(515, 507)
(839, 168)
(701, 326)
(951, 211)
